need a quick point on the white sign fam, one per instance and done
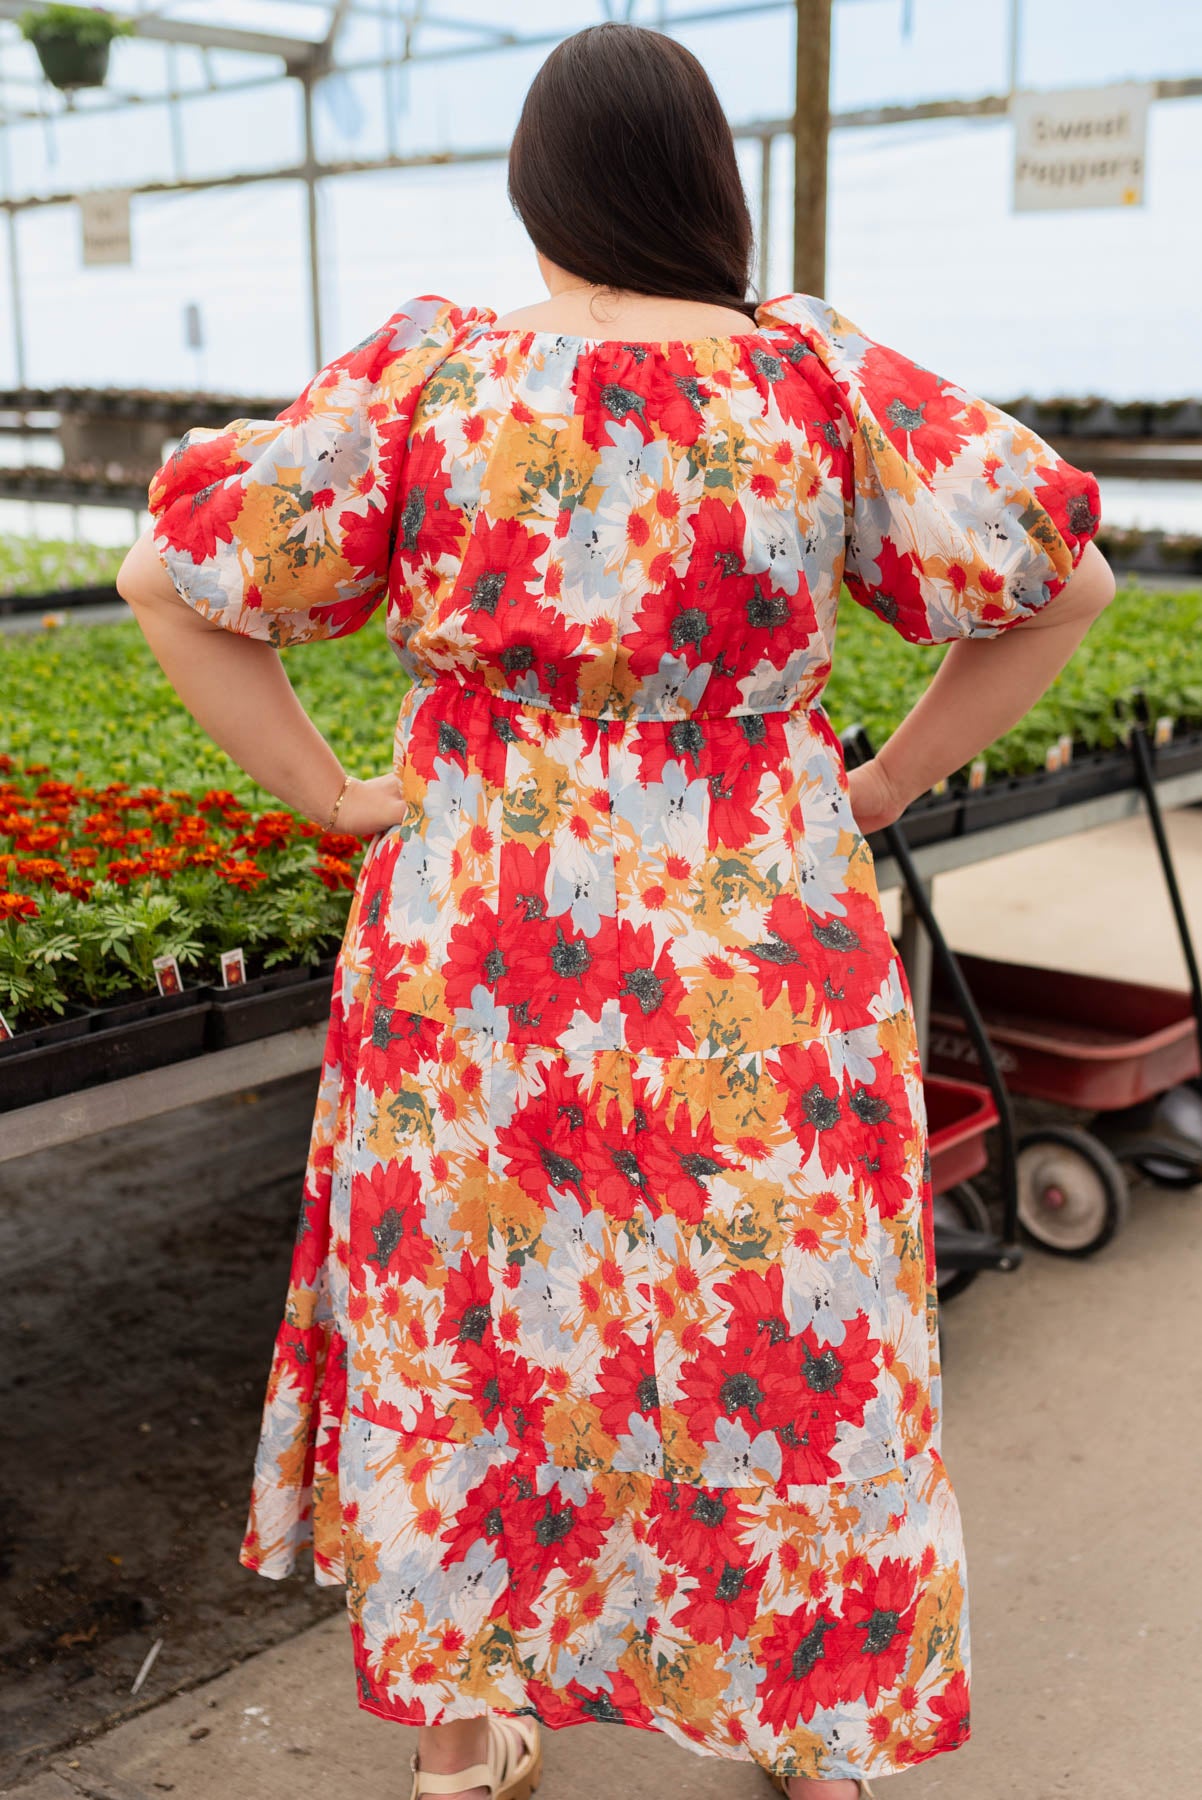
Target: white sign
(105, 221)
(1080, 147)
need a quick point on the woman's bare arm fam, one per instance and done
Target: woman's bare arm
(237, 690)
(983, 687)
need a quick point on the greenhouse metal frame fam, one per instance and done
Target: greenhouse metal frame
(414, 32)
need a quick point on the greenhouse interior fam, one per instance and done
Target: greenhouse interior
(205, 205)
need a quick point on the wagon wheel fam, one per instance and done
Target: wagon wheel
(1072, 1195)
(963, 1209)
(1167, 1172)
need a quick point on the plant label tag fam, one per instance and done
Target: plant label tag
(1164, 731)
(977, 774)
(233, 968)
(167, 975)
(1051, 761)
(6, 1030)
(1066, 749)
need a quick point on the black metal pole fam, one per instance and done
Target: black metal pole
(857, 740)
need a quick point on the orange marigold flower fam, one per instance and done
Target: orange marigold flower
(122, 869)
(335, 873)
(337, 843)
(241, 873)
(42, 837)
(204, 854)
(75, 885)
(18, 906)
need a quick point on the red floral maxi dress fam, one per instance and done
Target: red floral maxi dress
(609, 1380)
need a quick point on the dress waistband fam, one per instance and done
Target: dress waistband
(468, 688)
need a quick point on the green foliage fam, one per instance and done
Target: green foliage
(1146, 639)
(73, 25)
(92, 701)
(54, 565)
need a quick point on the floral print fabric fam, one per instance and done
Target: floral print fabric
(609, 1376)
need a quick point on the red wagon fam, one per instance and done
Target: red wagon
(959, 1113)
(1123, 1052)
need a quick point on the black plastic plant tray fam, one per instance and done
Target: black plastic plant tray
(930, 820)
(283, 1000)
(107, 1052)
(1181, 756)
(61, 601)
(75, 1023)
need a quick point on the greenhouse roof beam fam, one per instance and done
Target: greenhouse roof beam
(296, 53)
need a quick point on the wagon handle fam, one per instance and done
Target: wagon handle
(1145, 774)
(856, 740)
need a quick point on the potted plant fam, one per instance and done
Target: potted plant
(72, 43)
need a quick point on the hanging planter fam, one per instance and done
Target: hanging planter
(72, 43)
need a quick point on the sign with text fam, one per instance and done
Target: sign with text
(105, 221)
(1080, 147)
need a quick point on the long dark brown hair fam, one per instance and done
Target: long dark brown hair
(623, 169)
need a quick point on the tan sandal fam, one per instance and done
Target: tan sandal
(508, 1774)
(781, 1781)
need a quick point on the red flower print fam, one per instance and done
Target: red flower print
(730, 1381)
(724, 1602)
(545, 1144)
(681, 1161)
(548, 1531)
(799, 1673)
(670, 617)
(922, 416)
(620, 389)
(474, 957)
(652, 994)
(838, 1379)
(480, 1519)
(498, 570)
(466, 1303)
(194, 470)
(756, 1302)
(525, 638)
(387, 1234)
(869, 1646)
(896, 592)
(849, 954)
(199, 523)
(783, 959)
(697, 1527)
(313, 1226)
(553, 971)
(625, 1385)
(427, 525)
(951, 1709)
(882, 1113)
(814, 1105)
(364, 538)
(679, 398)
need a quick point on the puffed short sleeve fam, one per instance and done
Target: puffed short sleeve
(963, 521)
(282, 529)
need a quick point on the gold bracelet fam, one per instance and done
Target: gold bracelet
(342, 790)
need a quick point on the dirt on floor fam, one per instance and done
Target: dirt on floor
(145, 1273)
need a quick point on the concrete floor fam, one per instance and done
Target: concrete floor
(1072, 1428)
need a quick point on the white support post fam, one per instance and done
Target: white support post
(314, 227)
(761, 272)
